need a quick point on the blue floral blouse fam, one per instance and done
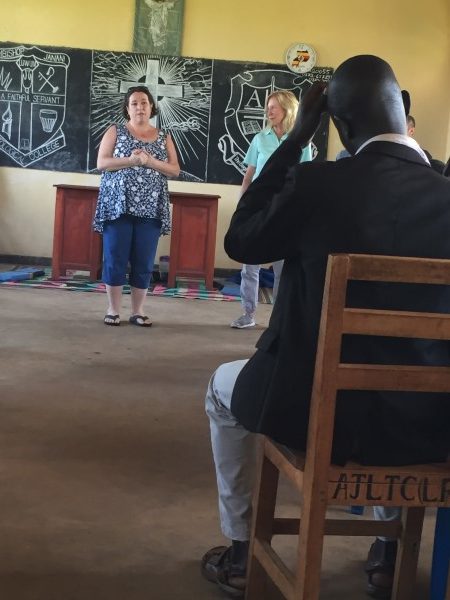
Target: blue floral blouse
(138, 191)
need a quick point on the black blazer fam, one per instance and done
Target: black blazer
(385, 200)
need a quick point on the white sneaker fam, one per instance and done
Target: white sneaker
(243, 322)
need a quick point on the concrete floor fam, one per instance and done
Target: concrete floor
(107, 489)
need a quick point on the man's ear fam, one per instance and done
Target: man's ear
(344, 129)
(406, 101)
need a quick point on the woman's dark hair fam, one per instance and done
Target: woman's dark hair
(126, 100)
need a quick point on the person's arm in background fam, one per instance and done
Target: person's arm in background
(251, 160)
(343, 154)
(105, 159)
(248, 177)
(306, 155)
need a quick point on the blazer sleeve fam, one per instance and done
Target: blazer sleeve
(266, 223)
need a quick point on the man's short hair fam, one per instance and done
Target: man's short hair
(410, 120)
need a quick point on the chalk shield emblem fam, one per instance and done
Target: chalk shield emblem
(245, 110)
(33, 86)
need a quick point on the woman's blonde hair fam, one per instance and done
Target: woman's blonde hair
(289, 104)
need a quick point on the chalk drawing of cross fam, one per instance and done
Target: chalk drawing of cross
(157, 89)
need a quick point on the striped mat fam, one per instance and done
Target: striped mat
(191, 289)
(186, 288)
(195, 289)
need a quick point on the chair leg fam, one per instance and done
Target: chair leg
(263, 513)
(310, 548)
(408, 554)
(257, 582)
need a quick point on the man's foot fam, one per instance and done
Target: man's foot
(220, 567)
(140, 320)
(242, 322)
(113, 320)
(380, 567)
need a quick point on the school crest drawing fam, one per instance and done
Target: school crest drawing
(33, 84)
(245, 111)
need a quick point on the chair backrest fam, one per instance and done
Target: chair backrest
(337, 320)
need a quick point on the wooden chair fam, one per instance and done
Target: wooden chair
(322, 484)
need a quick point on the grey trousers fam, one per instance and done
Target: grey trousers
(234, 452)
(250, 285)
(386, 513)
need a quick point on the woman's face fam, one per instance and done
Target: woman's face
(139, 107)
(274, 112)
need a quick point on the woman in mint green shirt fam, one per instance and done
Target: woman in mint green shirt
(281, 110)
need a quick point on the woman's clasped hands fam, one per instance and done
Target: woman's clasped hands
(140, 158)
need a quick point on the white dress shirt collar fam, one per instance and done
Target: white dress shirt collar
(397, 138)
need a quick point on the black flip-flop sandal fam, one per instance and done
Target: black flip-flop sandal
(114, 320)
(380, 567)
(216, 567)
(140, 321)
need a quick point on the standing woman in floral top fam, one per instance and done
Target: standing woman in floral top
(133, 203)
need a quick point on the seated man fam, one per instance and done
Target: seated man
(385, 199)
(436, 164)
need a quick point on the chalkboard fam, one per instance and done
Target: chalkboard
(240, 91)
(56, 103)
(182, 87)
(44, 107)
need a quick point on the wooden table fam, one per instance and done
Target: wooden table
(193, 239)
(75, 245)
(192, 246)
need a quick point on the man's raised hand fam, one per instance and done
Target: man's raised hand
(312, 105)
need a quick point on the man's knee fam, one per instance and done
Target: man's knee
(221, 385)
(224, 380)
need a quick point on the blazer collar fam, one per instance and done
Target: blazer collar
(396, 150)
